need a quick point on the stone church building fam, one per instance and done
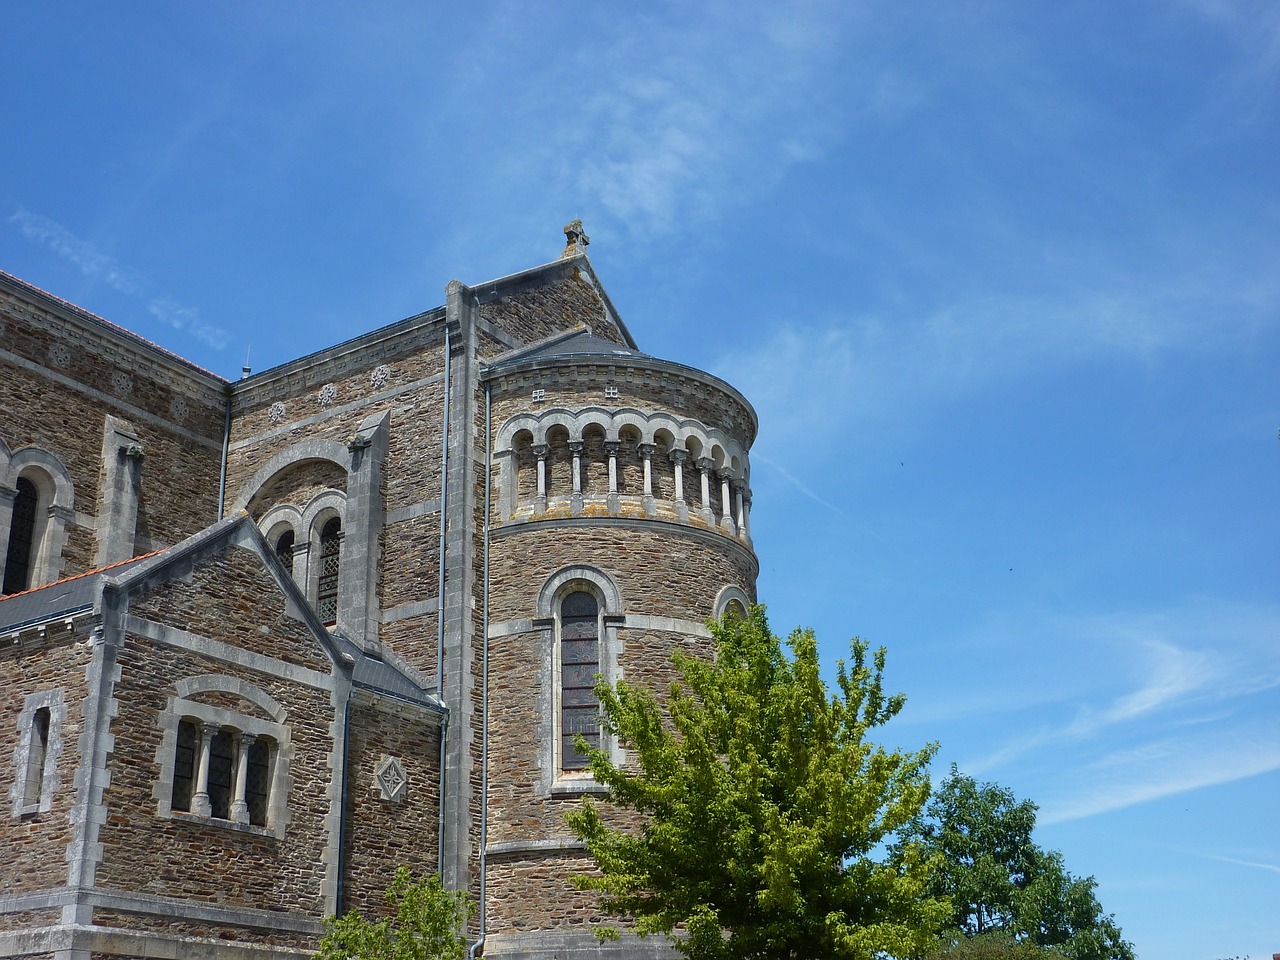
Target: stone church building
(264, 641)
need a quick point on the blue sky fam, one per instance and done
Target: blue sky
(1002, 280)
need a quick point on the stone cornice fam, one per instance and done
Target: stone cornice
(666, 528)
(112, 342)
(297, 376)
(535, 371)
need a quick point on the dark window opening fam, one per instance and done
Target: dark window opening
(330, 549)
(221, 774)
(184, 766)
(579, 664)
(284, 550)
(39, 752)
(22, 535)
(258, 781)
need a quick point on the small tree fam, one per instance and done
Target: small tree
(1002, 883)
(429, 924)
(764, 807)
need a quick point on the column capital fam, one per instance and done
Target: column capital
(678, 455)
(540, 450)
(611, 447)
(575, 447)
(647, 450)
(705, 464)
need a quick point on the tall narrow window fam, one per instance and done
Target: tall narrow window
(222, 759)
(184, 766)
(579, 664)
(284, 550)
(22, 535)
(258, 781)
(37, 753)
(330, 548)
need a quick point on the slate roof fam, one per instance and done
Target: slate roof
(59, 599)
(74, 595)
(580, 343)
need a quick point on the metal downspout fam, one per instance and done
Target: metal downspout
(342, 810)
(444, 496)
(226, 446)
(484, 683)
(444, 503)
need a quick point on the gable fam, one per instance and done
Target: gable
(231, 594)
(552, 299)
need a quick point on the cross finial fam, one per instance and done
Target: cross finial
(576, 240)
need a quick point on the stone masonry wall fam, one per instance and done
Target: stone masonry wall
(211, 861)
(662, 571)
(34, 845)
(383, 835)
(554, 301)
(248, 612)
(56, 389)
(409, 386)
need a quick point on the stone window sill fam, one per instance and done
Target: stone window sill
(577, 787)
(248, 828)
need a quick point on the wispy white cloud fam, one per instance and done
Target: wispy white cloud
(1270, 867)
(863, 372)
(1183, 668)
(1164, 769)
(91, 261)
(188, 320)
(96, 265)
(795, 481)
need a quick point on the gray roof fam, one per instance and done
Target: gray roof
(582, 343)
(62, 598)
(372, 673)
(74, 595)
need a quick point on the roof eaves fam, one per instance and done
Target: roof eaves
(65, 307)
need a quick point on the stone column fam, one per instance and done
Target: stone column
(301, 561)
(7, 496)
(200, 804)
(575, 499)
(240, 809)
(744, 524)
(704, 465)
(611, 448)
(358, 609)
(646, 452)
(682, 508)
(540, 451)
(726, 505)
(117, 520)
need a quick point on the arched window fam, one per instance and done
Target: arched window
(330, 549)
(284, 550)
(184, 766)
(579, 664)
(236, 771)
(222, 761)
(22, 536)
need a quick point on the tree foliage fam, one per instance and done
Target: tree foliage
(764, 807)
(429, 924)
(999, 881)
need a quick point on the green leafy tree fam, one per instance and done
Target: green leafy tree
(999, 880)
(764, 807)
(429, 924)
(992, 945)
